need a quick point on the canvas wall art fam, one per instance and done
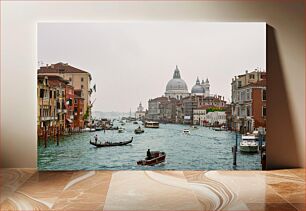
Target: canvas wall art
(151, 96)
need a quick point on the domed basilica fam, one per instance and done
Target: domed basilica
(177, 87)
(201, 88)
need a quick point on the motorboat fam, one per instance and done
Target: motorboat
(135, 123)
(151, 124)
(139, 130)
(194, 127)
(92, 130)
(110, 144)
(157, 157)
(120, 130)
(186, 132)
(249, 146)
(217, 129)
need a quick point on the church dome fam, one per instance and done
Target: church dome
(197, 88)
(176, 83)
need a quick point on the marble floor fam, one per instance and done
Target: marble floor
(29, 189)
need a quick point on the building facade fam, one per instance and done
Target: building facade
(140, 113)
(77, 78)
(248, 107)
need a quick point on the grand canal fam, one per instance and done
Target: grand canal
(203, 149)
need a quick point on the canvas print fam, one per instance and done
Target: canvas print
(151, 96)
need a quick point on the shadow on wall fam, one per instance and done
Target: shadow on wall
(280, 129)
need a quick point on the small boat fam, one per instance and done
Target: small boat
(248, 146)
(86, 129)
(122, 123)
(151, 124)
(111, 144)
(194, 127)
(157, 157)
(121, 130)
(217, 129)
(92, 130)
(139, 130)
(99, 128)
(135, 123)
(186, 132)
(114, 128)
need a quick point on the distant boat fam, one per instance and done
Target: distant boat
(157, 157)
(99, 128)
(151, 124)
(135, 123)
(86, 129)
(139, 130)
(194, 127)
(186, 132)
(111, 144)
(217, 129)
(121, 130)
(92, 130)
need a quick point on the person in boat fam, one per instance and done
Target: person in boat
(149, 156)
(96, 138)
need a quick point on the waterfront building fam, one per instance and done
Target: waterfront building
(162, 109)
(199, 115)
(51, 108)
(248, 101)
(215, 118)
(77, 78)
(59, 84)
(212, 101)
(78, 110)
(201, 89)
(188, 105)
(176, 87)
(140, 113)
(69, 106)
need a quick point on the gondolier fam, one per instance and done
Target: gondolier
(96, 138)
(149, 156)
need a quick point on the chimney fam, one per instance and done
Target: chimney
(246, 72)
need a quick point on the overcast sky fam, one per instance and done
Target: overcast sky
(133, 61)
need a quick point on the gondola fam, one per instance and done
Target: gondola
(111, 144)
(157, 157)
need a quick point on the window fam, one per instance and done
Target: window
(82, 79)
(264, 94)
(75, 101)
(239, 84)
(264, 111)
(70, 79)
(251, 76)
(82, 86)
(50, 94)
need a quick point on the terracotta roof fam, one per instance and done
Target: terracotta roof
(60, 67)
(53, 80)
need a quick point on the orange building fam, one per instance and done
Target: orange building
(78, 109)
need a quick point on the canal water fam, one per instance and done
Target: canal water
(203, 149)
